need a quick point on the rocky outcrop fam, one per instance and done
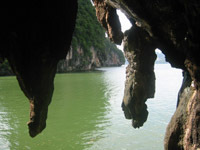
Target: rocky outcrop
(172, 27)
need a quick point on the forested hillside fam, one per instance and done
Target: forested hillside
(5, 69)
(90, 48)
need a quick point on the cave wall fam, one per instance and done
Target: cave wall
(173, 27)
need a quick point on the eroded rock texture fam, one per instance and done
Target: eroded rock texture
(183, 130)
(140, 78)
(173, 27)
(33, 39)
(109, 19)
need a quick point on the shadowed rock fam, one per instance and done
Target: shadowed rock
(34, 39)
(139, 50)
(174, 28)
(109, 19)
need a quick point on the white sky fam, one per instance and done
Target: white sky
(125, 25)
(158, 51)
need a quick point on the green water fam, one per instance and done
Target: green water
(85, 113)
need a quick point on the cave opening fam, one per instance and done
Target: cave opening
(125, 24)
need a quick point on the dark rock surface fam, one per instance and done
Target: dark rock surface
(33, 39)
(173, 27)
(109, 19)
(140, 78)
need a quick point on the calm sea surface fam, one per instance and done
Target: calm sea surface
(85, 113)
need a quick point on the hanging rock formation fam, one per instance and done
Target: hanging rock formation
(109, 19)
(173, 27)
(140, 78)
(33, 39)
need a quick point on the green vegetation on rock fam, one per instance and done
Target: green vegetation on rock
(88, 32)
(90, 48)
(5, 69)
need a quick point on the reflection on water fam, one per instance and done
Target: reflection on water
(4, 130)
(83, 104)
(11, 112)
(120, 134)
(86, 114)
(78, 110)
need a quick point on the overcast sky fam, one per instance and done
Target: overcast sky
(125, 24)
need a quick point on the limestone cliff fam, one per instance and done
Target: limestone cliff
(76, 60)
(89, 47)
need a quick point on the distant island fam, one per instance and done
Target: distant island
(90, 48)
